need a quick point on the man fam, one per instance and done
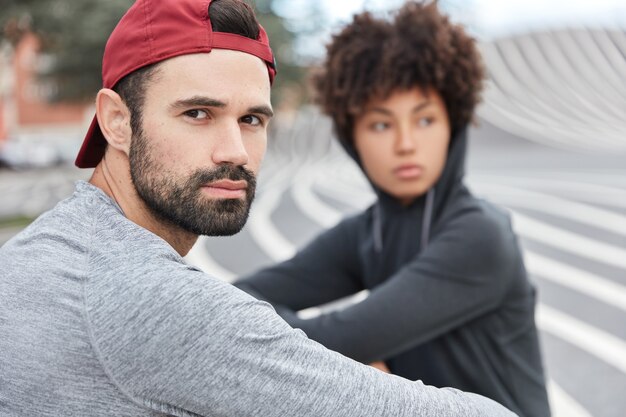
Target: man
(99, 315)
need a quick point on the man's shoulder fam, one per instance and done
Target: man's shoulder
(63, 231)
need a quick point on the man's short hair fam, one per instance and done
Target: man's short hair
(152, 31)
(228, 16)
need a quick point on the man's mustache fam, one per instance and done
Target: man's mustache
(223, 172)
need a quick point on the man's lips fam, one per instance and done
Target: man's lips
(226, 189)
(408, 171)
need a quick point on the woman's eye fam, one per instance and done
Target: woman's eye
(197, 114)
(252, 120)
(379, 126)
(425, 121)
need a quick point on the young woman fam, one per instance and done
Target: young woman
(449, 300)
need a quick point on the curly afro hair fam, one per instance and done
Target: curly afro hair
(373, 58)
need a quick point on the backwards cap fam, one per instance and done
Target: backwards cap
(152, 31)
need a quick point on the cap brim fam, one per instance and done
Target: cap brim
(93, 147)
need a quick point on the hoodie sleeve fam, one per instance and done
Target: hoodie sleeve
(324, 271)
(462, 274)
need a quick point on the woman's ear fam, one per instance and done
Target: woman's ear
(114, 120)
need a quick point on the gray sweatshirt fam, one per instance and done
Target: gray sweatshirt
(100, 317)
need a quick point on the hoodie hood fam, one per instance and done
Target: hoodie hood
(425, 209)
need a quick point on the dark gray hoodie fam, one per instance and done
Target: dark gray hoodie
(449, 304)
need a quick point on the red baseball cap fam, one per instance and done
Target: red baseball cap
(155, 30)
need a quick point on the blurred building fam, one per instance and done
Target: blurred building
(33, 130)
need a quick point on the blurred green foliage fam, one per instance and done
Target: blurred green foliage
(15, 222)
(73, 35)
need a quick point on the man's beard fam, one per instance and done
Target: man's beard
(180, 201)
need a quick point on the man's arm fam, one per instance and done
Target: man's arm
(183, 342)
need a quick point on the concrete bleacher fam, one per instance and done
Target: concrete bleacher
(564, 88)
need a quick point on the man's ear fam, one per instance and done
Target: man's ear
(114, 119)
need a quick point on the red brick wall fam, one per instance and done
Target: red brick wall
(32, 108)
(3, 127)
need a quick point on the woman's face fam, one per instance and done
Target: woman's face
(403, 141)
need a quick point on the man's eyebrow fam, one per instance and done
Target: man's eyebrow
(262, 109)
(200, 101)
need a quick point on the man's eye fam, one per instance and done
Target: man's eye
(252, 120)
(197, 114)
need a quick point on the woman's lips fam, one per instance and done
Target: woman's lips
(408, 172)
(226, 189)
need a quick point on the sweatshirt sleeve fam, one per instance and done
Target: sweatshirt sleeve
(463, 273)
(324, 271)
(186, 344)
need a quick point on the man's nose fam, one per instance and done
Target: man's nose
(229, 147)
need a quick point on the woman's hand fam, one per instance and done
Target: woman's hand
(381, 366)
